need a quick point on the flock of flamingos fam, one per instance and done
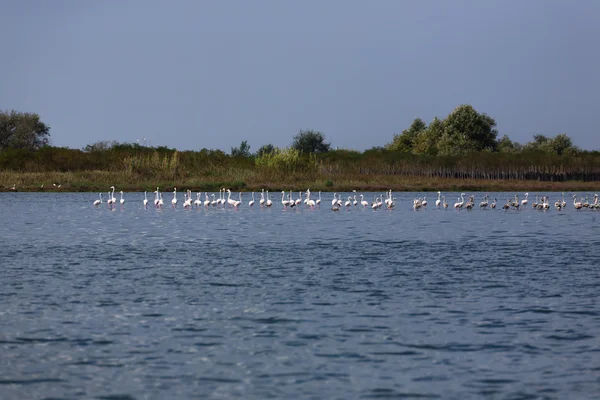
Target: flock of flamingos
(385, 200)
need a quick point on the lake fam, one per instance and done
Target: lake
(134, 303)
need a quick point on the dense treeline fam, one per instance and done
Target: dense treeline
(463, 146)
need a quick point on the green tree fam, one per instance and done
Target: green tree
(22, 131)
(466, 130)
(505, 145)
(265, 149)
(309, 141)
(242, 151)
(562, 144)
(406, 140)
(427, 140)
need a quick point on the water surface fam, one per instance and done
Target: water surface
(138, 303)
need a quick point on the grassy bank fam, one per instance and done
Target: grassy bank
(247, 180)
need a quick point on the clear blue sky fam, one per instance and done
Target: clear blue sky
(193, 74)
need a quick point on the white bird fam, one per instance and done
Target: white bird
(577, 204)
(145, 199)
(122, 201)
(160, 200)
(445, 205)
(234, 203)
(268, 202)
(424, 202)
(251, 202)
(156, 197)
(461, 202)
(363, 202)
(97, 202)
(318, 202)
(262, 198)
(525, 201)
(438, 201)
(215, 202)
(198, 202)
(283, 200)
(230, 201)
(299, 200)
(334, 201)
(206, 200)
(348, 202)
(309, 202)
(174, 201)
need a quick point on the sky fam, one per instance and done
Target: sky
(194, 74)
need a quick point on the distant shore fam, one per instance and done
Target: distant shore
(101, 181)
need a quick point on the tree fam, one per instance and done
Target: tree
(265, 149)
(559, 144)
(562, 144)
(242, 151)
(505, 145)
(22, 131)
(406, 140)
(309, 141)
(466, 130)
(427, 140)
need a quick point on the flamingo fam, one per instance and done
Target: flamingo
(444, 202)
(235, 203)
(309, 202)
(438, 201)
(122, 200)
(525, 201)
(113, 199)
(174, 201)
(262, 198)
(283, 200)
(577, 204)
(145, 199)
(534, 205)
(215, 201)
(318, 202)
(206, 199)
(198, 202)
(268, 202)
(461, 202)
(160, 200)
(299, 200)
(563, 203)
(251, 202)
(424, 202)
(388, 198)
(98, 202)
(507, 205)
(348, 202)
(546, 204)
(363, 202)
(375, 204)
(230, 201)
(334, 201)
(484, 203)
(494, 204)
(156, 197)
(187, 199)
(355, 202)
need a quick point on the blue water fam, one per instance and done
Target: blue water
(135, 303)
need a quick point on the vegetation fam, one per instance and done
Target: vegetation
(460, 152)
(22, 131)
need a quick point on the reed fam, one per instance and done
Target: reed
(133, 167)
